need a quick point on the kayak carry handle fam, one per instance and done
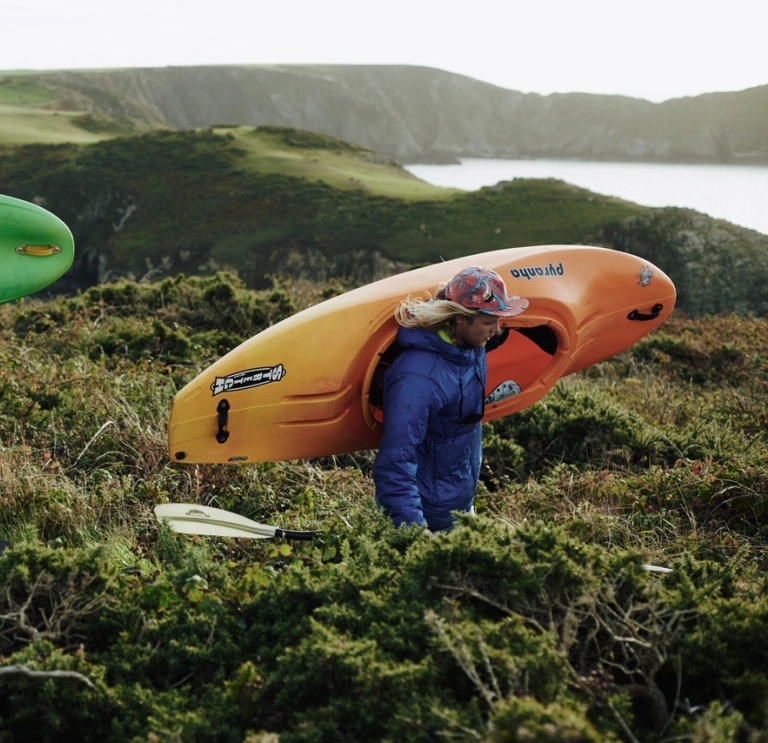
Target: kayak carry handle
(222, 409)
(39, 250)
(642, 316)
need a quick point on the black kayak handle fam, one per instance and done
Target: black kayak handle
(222, 410)
(641, 316)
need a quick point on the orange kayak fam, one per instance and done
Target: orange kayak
(307, 387)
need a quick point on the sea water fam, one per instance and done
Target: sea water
(735, 193)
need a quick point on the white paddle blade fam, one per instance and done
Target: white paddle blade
(657, 569)
(189, 518)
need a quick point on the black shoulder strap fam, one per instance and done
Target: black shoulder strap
(376, 393)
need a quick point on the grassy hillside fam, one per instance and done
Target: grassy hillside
(249, 200)
(301, 154)
(30, 113)
(33, 112)
(533, 621)
(276, 201)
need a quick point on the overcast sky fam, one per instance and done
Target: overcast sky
(654, 49)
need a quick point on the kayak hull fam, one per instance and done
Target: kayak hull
(307, 387)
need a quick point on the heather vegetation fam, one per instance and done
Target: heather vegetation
(534, 621)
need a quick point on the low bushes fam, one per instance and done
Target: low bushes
(536, 620)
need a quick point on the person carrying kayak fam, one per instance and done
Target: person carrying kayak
(428, 462)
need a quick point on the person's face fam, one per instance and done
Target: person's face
(475, 331)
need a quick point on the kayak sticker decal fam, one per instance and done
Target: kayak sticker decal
(503, 391)
(533, 271)
(248, 379)
(645, 276)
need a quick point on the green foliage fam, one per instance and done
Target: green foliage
(23, 90)
(527, 721)
(578, 426)
(717, 267)
(171, 321)
(306, 140)
(197, 202)
(106, 124)
(280, 201)
(510, 214)
(534, 620)
(730, 629)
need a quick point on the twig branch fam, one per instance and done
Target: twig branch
(93, 438)
(459, 650)
(21, 670)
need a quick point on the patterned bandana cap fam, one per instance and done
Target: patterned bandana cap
(483, 289)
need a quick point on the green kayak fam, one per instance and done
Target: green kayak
(36, 248)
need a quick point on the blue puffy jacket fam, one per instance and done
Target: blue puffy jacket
(428, 463)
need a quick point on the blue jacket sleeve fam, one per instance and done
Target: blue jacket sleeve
(408, 400)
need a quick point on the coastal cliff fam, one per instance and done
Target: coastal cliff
(419, 114)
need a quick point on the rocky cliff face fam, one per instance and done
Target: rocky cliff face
(421, 114)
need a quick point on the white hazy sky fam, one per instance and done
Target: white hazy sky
(653, 49)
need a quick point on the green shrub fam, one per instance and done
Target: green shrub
(534, 620)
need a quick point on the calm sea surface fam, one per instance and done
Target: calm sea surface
(736, 193)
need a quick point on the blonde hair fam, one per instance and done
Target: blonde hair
(430, 314)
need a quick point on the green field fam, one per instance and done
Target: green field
(22, 126)
(21, 90)
(275, 151)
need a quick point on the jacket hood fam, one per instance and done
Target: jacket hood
(426, 340)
